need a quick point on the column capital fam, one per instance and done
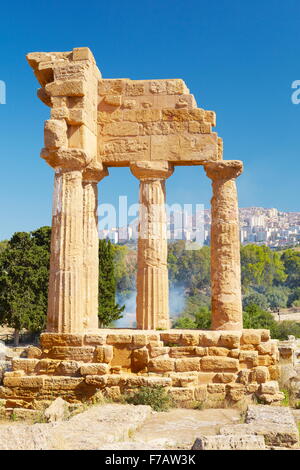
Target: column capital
(66, 158)
(94, 172)
(146, 170)
(224, 169)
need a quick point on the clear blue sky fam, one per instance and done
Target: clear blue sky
(238, 58)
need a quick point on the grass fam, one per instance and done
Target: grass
(156, 397)
(287, 397)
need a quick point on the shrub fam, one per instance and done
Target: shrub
(156, 397)
(256, 298)
(203, 318)
(184, 322)
(284, 329)
(256, 317)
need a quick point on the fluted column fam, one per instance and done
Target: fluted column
(225, 246)
(65, 307)
(92, 175)
(152, 302)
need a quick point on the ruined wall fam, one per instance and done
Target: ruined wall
(204, 366)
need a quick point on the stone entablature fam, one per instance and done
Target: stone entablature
(205, 366)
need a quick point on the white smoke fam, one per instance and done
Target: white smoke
(176, 306)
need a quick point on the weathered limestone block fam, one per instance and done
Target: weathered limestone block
(274, 372)
(66, 88)
(271, 398)
(62, 383)
(160, 351)
(265, 360)
(55, 133)
(259, 374)
(80, 353)
(94, 369)
(68, 368)
(33, 352)
(57, 411)
(122, 356)
(219, 363)
(200, 351)
(142, 339)
(94, 339)
(236, 392)
(26, 381)
(104, 354)
(265, 347)
(217, 351)
(225, 246)
(225, 377)
(190, 339)
(251, 337)
(235, 353)
(209, 338)
(27, 365)
(206, 377)
(230, 340)
(248, 358)
(48, 340)
(229, 443)
(187, 364)
(271, 387)
(159, 364)
(183, 379)
(243, 376)
(182, 351)
(119, 338)
(140, 359)
(173, 338)
(180, 394)
(276, 424)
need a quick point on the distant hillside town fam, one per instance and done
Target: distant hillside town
(271, 227)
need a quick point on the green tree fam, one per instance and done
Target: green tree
(24, 274)
(291, 262)
(125, 270)
(256, 298)
(277, 297)
(256, 317)
(260, 266)
(109, 310)
(294, 297)
(189, 268)
(185, 323)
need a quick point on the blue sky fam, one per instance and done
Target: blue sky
(238, 58)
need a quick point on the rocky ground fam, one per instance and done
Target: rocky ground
(129, 427)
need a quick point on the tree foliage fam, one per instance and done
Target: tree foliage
(291, 261)
(260, 266)
(109, 311)
(24, 272)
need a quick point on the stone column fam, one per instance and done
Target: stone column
(225, 246)
(92, 175)
(65, 307)
(152, 302)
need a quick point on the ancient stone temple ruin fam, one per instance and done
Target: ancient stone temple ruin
(151, 126)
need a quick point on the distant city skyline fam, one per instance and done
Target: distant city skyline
(258, 225)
